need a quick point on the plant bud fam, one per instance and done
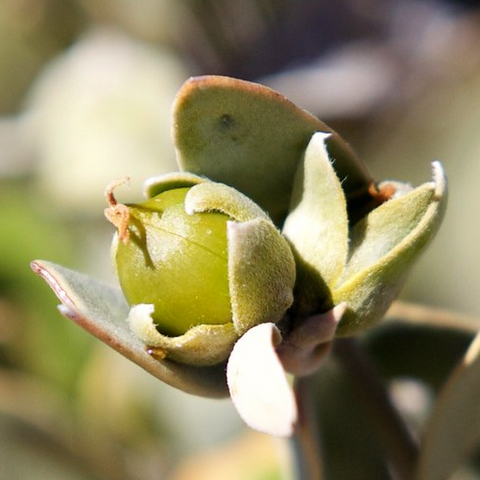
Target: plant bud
(200, 264)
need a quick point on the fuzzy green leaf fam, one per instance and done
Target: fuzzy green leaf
(211, 196)
(317, 224)
(161, 183)
(454, 429)
(102, 310)
(252, 138)
(201, 345)
(385, 245)
(262, 273)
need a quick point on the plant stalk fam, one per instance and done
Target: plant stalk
(304, 444)
(401, 448)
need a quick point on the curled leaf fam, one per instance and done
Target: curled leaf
(306, 345)
(102, 311)
(317, 224)
(212, 196)
(385, 244)
(161, 183)
(261, 271)
(258, 383)
(201, 345)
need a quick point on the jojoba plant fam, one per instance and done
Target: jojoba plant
(240, 271)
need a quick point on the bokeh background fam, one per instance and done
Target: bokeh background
(86, 89)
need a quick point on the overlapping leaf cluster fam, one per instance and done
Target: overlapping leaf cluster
(316, 248)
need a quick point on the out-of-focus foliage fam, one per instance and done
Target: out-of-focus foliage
(32, 33)
(86, 92)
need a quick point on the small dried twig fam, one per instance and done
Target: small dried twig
(117, 213)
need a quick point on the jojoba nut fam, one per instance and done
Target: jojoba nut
(174, 261)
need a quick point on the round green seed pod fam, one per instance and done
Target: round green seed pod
(175, 261)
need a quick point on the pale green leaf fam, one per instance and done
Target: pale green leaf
(385, 246)
(386, 227)
(102, 310)
(200, 345)
(252, 138)
(258, 384)
(261, 270)
(161, 183)
(212, 196)
(317, 224)
(454, 428)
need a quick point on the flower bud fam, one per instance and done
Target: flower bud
(199, 263)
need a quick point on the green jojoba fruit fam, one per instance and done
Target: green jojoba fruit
(175, 261)
(200, 264)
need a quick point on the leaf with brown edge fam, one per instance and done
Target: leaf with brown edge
(102, 311)
(384, 246)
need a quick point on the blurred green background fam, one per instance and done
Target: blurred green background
(85, 94)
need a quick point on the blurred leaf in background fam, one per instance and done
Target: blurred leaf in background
(31, 33)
